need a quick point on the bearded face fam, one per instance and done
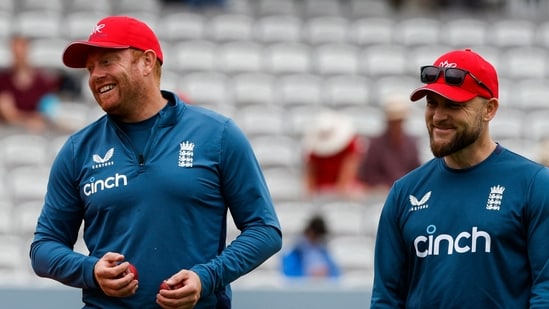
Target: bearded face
(459, 141)
(452, 126)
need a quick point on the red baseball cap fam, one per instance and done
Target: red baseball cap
(467, 60)
(117, 32)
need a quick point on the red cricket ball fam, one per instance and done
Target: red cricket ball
(132, 269)
(165, 286)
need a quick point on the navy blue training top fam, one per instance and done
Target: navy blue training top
(468, 238)
(165, 210)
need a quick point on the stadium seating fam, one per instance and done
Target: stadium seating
(278, 28)
(181, 26)
(253, 88)
(464, 32)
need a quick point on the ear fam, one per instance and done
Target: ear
(149, 60)
(491, 109)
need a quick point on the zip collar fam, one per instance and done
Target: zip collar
(175, 107)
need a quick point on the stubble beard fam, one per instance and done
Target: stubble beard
(461, 141)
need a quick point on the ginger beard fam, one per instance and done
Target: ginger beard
(127, 87)
(444, 146)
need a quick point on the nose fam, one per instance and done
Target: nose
(437, 113)
(96, 72)
(95, 75)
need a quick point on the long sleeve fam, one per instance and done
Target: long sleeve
(537, 231)
(252, 209)
(51, 252)
(389, 288)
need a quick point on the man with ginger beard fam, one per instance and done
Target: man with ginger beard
(468, 228)
(152, 181)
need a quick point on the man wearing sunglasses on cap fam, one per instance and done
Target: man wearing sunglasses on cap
(469, 228)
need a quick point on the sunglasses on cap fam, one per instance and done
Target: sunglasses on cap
(452, 76)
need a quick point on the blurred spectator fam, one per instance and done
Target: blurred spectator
(393, 153)
(26, 93)
(310, 256)
(333, 150)
(69, 85)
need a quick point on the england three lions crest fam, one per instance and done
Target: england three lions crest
(495, 197)
(186, 154)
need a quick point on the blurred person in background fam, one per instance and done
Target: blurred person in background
(27, 93)
(310, 257)
(332, 150)
(393, 153)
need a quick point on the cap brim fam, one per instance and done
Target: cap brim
(452, 93)
(75, 54)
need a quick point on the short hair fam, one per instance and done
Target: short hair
(317, 226)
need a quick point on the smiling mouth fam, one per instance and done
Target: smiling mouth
(106, 88)
(441, 130)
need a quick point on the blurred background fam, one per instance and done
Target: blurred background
(273, 66)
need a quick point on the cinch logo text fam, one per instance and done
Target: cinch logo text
(464, 242)
(104, 184)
